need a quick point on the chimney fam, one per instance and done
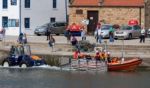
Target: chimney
(101, 2)
(71, 1)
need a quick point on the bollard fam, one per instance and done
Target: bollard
(70, 62)
(60, 62)
(87, 63)
(96, 64)
(79, 63)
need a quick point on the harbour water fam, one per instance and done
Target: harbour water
(54, 78)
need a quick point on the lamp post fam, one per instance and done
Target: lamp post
(20, 17)
(122, 58)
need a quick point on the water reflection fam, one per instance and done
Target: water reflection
(44, 78)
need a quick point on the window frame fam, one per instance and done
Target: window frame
(5, 4)
(27, 3)
(54, 4)
(27, 22)
(52, 19)
(3, 22)
(13, 2)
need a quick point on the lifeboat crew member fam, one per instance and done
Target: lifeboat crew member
(114, 60)
(75, 54)
(97, 57)
(81, 56)
(108, 57)
(88, 58)
(102, 56)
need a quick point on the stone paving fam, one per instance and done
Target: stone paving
(63, 40)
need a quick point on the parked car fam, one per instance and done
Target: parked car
(58, 28)
(128, 32)
(148, 33)
(105, 30)
(41, 30)
(21, 55)
(55, 28)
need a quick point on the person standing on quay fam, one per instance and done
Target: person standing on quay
(142, 36)
(83, 33)
(51, 42)
(48, 32)
(111, 34)
(99, 32)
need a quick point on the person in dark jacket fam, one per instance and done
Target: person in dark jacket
(48, 33)
(74, 41)
(20, 38)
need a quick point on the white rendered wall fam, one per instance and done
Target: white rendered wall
(12, 12)
(40, 12)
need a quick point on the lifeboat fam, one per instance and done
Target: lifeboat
(127, 65)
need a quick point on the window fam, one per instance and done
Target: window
(79, 11)
(54, 3)
(136, 27)
(5, 22)
(52, 19)
(13, 2)
(27, 22)
(5, 4)
(27, 3)
(13, 23)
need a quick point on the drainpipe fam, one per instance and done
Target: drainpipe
(140, 16)
(145, 14)
(66, 5)
(20, 17)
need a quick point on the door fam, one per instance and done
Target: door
(93, 19)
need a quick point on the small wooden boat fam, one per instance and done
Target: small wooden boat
(127, 65)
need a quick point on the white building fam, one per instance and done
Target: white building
(33, 13)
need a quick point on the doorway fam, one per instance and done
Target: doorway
(93, 19)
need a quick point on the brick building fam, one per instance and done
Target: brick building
(106, 11)
(147, 14)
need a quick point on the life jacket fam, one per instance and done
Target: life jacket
(105, 55)
(102, 55)
(97, 56)
(74, 27)
(75, 55)
(81, 55)
(114, 60)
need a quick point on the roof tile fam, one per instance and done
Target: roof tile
(108, 2)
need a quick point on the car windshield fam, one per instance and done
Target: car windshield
(45, 25)
(106, 27)
(60, 24)
(126, 28)
(24, 50)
